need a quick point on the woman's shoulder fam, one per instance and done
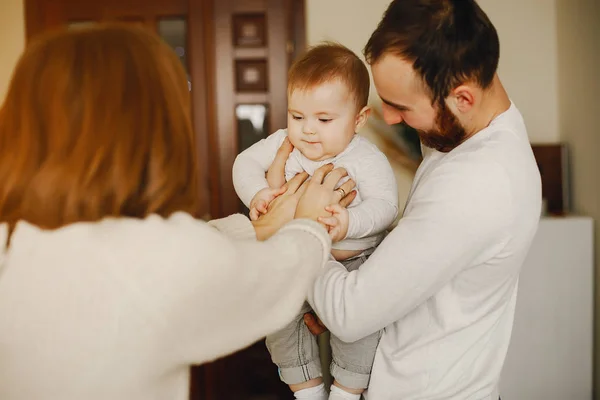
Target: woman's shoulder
(125, 237)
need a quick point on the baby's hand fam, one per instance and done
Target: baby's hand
(337, 223)
(260, 203)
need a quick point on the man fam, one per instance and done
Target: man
(443, 284)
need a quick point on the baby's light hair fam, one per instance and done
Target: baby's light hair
(328, 62)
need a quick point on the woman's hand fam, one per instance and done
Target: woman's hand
(281, 210)
(303, 199)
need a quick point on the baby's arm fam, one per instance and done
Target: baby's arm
(377, 186)
(252, 164)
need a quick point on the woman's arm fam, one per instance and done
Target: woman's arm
(236, 289)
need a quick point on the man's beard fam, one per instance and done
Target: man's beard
(447, 134)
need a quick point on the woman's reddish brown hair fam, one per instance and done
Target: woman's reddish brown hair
(96, 123)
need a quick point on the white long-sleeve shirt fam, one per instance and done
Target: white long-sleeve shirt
(443, 283)
(119, 309)
(370, 214)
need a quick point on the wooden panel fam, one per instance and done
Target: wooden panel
(249, 6)
(251, 98)
(277, 34)
(553, 164)
(227, 138)
(250, 53)
(42, 15)
(202, 56)
(110, 9)
(296, 27)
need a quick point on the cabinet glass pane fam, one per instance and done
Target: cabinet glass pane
(251, 124)
(81, 24)
(174, 32)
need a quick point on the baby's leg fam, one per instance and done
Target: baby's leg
(352, 362)
(351, 366)
(294, 350)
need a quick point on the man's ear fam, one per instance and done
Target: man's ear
(362, 117)
(464, 97)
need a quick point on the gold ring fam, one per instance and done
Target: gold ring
(342, 192)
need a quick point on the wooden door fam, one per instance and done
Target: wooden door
(184, 24)
(256, 40)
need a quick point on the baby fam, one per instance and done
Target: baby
(328, 89)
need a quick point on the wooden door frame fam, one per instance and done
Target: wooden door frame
(286, 35)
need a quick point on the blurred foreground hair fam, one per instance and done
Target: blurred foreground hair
(96, 123)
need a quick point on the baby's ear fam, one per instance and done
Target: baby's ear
(362, 117)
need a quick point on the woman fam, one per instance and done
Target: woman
(109, 288)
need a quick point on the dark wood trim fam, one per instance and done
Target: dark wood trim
(40, 17)
(277, 38)
(33, 19)
(251, 98)
(249, 6)
(200, 38)
(43, 15)
(298, 28)
(78, 10)
(259, 52)
(226, 144)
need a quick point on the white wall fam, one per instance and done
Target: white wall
(12, 39)
(578, 24)
(528, 55)
(528, 61)
(351, 23)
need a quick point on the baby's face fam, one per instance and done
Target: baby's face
(322, 120)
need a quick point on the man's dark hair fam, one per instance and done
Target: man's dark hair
(449, 42)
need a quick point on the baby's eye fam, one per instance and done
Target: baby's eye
(297, 117)
(325, 120)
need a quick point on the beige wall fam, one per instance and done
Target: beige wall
(578, 24)
(528, 55)
(12, 39)
(351, 23)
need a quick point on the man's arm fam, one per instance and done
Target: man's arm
(379, 192)
(457, 217)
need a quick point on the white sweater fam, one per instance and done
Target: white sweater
(373, 210)
(443, 283)
(118, 310)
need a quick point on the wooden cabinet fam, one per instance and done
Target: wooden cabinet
(236, 53)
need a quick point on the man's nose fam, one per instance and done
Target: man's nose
(391, 116)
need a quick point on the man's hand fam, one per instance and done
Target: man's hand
(319, 192)
(260, 203)
(314, 324)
